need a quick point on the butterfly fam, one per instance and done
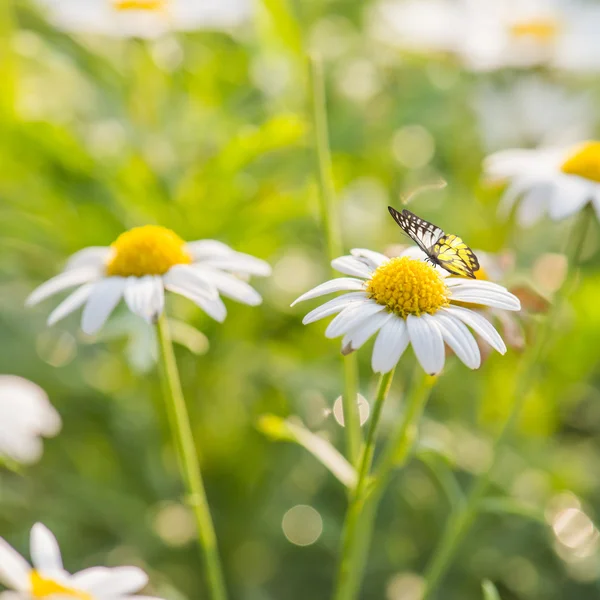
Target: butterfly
(447, 251)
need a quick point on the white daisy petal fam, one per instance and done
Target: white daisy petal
(190, 278)
(213, 307)
(534, 205)
(334, 306)
(203, 249)
(359, 335)
(460, 339)
(145, 296)
(375, 258)
(479, 324)
(44, 549)
(240, 263)
(351, 317)
(63, 281)
(486, 295)
(90, 580)
(116, 582)
(351, 266)
(70, 303)
(427, 342)
(568, 198)
(231, 286)
(94, 256)
(341, 284)
(14, 569)
(390, 344)
(103, 299)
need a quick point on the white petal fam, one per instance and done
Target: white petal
(71, 303)
(62, 281)
(334, 306)
(112, 583)
(485, 293)
(479, 324)
(190, 278)
(375, 258)
(90, 579)
(44, 549)
(390, 344)
(569, 196)
(14, 569)
(341, 284)
(104, 297)
(359, 335)
(460, 339)
(534, 205)
(516, 188)
(351, 266)
(94, 256)
(203, 249)
(427, 342)
(240, 263)
(351, 317)
(145, 296)
(213, 307)
(231, 286)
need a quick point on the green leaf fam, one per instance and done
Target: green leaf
(510, 506)
(489, 591)
(438, 466)
(285, 430)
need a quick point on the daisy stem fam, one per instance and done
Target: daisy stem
(330, 220)
(358, 527)
(461, 519)
(188, 459)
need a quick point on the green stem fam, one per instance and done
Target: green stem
(330, 221)
(461, 520)
(188, 460)
(358, 526)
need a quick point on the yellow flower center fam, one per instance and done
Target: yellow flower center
(148, 5)
(44, 588)
(585, 162)
(148, 250)
(408, 287)
(543, 30)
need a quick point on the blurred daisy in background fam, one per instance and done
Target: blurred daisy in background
(48, 579)
(25, 416)
(140, 265)
(406, 301)
(145, 18)
(557, 182)
(487, 35)
(531, 112)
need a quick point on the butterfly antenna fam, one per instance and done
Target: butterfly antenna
(440, 184)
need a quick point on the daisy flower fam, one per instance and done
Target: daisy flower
(144, 18)
(25, 416)
(558, 182)
(48, 579)
(139, 266)
(489, 35)
(407, 301)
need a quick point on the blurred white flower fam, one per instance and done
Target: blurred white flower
(490, 34)
(554, 181)
(531, 112)
(140, 265)
(48, 579)
(406, 301)
(25, 416)
(145, 18)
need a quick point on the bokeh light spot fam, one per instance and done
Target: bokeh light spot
(302, 525)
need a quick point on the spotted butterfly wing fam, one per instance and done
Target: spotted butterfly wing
(452, 254)
(448, 251)
(423, 233)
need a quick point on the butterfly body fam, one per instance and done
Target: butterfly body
(446, 250)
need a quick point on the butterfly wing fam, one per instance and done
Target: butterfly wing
(451, 253)
(423, 233)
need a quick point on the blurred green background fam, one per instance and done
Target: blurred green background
(210, 134)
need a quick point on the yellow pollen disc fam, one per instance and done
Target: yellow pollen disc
(44, 588)
(541, 30)
(148, 250)
(585, 162)
(408, 287)
(148, 5)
